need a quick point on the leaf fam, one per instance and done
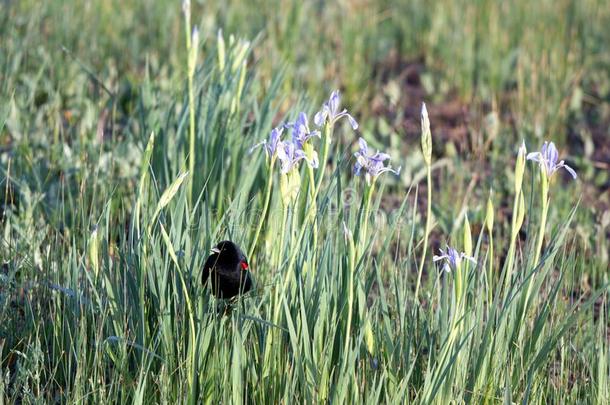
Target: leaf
(142, 183)
(170, 248)
(168, 194)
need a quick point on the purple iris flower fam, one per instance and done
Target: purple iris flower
(300, 130)
(452, 258)
(271, 145)
(547, 158)
(371, 162)
(330, 112)
(290, 155)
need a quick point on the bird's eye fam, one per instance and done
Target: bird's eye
(244, 265)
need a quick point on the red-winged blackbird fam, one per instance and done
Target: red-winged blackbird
(228, 268)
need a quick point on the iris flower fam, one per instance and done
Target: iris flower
(330, 112)
(300, 130)
(271, 145)
(452, 258)
(290, 155)
(547, 158)
(371, 162)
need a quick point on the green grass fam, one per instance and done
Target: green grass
(107, 215)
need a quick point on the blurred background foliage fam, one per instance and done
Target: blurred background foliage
(84, 82)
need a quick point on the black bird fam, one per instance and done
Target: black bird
(228, 267)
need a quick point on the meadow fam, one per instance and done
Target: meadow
(421, 189)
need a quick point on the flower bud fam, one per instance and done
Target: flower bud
(369, 337)
(186, 7)
(347, 233)
(289, 186)
(192, 58)
(221, 51)
(310, 154)
(349, 241)
(467, 236)
(426, 136)
(94, 251)
(240, 54)
(520, 167)
(489, 216)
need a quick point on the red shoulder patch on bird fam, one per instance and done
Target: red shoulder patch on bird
(244, 265)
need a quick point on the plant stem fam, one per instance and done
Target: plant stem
(325, 151)
(490, 284)
(513, 240)
(350, 296)
(426, 232)
(283, 231)
(545, 206)
(265, 208)
(314, 207)
(192, 134)
(354, 255)
(365, 218)
(191, 95)
(544, 191)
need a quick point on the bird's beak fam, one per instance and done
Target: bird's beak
(215, 250)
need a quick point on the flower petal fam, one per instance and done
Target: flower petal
(469, 258)
(380, 157)
(534, 156)
(333, 102)
(364, 147)
(552, 155)
(362, 161)
(263, 142)
(318, 119)
(321, 116)
(352, 122)
(388, 169)
(314, 133)
(314, 162)
(569, 169)
(544, 148)
(281, 151)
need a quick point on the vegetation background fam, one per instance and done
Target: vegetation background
(103, 236)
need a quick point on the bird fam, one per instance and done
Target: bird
(229, 270)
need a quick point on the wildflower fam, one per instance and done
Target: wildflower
(300, 130)
(300, 135)
(186, 6)
(290, 180)
(330, 112)
(489, 215)
(271, 145)
(193, 51)
(290, 155)
(520, 167)
(195, 37)
(452, 258)
(221, 50)
(371, 162)
(426, 136)
(547, 158)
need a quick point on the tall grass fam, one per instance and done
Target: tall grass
(103, 242)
